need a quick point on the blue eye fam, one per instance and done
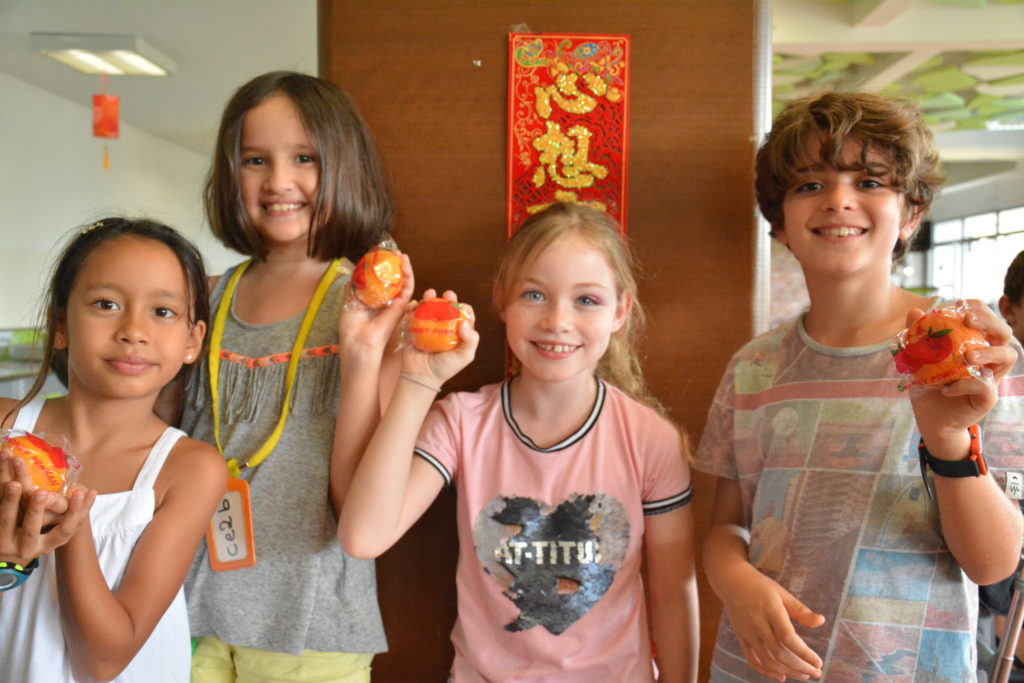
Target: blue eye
(532, 295)
(587, 300)
(871, 183)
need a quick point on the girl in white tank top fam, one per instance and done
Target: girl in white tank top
(126, 310)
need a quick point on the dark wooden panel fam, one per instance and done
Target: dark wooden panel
(431, 80)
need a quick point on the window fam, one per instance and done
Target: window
(970, 255)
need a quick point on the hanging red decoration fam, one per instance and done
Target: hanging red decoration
(104, 115)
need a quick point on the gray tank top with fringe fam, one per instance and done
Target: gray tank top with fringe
(304, 592)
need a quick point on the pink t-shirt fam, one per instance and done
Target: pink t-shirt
(550, 538)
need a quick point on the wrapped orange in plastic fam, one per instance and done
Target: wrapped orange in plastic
(434, 324)
(932, 350)
(50, 466)
(378, 277)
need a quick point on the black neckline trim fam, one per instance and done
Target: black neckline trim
(588, 424)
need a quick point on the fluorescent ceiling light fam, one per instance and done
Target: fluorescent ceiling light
(94, 53)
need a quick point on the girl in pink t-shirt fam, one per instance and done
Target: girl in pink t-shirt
(567, 479)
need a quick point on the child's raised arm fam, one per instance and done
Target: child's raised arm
(760, 611)
(365, 341)
(672, 593)
(104, 629)
(981, 526)
(391, 488)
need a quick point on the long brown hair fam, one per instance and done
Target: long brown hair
(353, 209)
(620, 364)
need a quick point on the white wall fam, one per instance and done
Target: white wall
(52, 180)
(1003, 191)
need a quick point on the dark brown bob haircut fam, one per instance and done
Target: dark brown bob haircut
(353, 210)
(890, 127)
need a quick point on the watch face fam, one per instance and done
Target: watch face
(8, 579)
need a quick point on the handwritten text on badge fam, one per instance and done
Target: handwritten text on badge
(229, 536)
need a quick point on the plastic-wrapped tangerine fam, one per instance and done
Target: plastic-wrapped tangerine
(434, 324)
(50, 467)
(378, 277)
(932, 349)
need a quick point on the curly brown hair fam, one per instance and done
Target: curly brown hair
(887, 126)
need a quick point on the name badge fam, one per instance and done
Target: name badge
(229, 537)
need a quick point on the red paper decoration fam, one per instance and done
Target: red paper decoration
(104, 115)
(568, 115)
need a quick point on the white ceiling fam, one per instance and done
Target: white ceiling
(219, 44)
(216, 44)
(901, 36)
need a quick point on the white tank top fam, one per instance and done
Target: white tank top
(32, 646)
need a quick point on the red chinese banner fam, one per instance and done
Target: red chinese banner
(568, 114)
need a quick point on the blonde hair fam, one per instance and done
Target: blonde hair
(620, 364)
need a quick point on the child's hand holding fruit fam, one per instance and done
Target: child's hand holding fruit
(945, 408)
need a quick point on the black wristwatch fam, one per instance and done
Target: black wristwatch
(973, 466)
(13, 574)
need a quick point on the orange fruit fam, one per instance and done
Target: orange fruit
(434, 325)
(47, 464)
(933, 348)
(378, 277)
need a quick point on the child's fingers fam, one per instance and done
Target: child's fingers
(5, 467)
(759, 666)
(408, 279)
(57, 504)
(21, 473)
(9, 515)
(469, 338)
(32, 523)
(78, 511)
(999, 359)
(913, 315)
(982, 318)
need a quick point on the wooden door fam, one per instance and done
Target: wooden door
(431, 79)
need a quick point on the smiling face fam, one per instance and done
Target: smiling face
(280, 172)
(126, 325)
(844, 220)
(560, 317)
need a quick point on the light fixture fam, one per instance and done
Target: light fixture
(96, 53)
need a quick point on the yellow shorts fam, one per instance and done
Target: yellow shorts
(216, 662)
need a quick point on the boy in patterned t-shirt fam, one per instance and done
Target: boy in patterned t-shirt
(830, 556)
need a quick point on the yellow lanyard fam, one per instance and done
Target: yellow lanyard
(217, 333)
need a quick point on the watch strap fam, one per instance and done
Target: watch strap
(13, 574)
(972, 466)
